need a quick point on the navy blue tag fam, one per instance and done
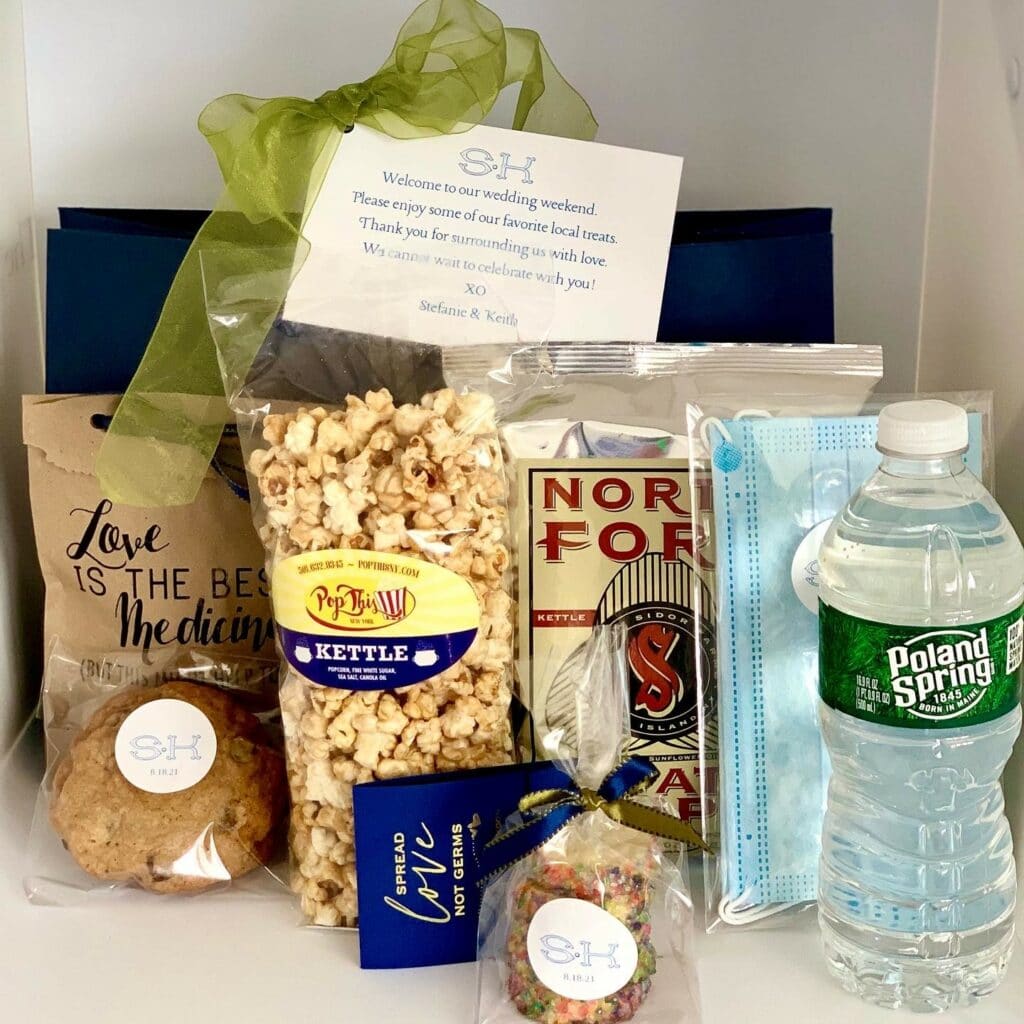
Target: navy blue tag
(415, 840)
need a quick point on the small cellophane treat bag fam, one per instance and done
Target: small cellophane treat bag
(586, 915)
(164, 774)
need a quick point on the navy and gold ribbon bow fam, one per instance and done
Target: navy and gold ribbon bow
(545, 812)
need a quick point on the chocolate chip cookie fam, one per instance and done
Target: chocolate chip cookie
(163, 830)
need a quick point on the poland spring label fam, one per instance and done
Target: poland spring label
(921, 676)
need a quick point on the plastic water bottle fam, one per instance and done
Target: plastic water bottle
(922, 582)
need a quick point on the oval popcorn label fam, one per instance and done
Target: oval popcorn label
(358, 620)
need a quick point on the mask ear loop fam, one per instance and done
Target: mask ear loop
(730, 915)
(705, 430)
(713, 421)
(726, 455)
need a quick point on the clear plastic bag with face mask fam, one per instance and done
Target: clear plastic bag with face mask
(594, 922)
(780, 469)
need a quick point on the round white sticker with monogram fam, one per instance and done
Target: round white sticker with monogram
(165, 746)
(579, 950)
(805, 569)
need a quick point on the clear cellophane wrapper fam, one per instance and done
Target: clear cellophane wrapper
(356, 446)
(102, 825)
(636, 879)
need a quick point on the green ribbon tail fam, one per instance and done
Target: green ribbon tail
(450, 62)
(654, 822)
(169, 422)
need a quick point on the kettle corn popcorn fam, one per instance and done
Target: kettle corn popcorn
(422, 481)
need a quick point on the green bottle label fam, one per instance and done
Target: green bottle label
(920, 677)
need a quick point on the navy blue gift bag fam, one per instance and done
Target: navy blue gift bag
(762, 275)
(107, 275)
(742, 275)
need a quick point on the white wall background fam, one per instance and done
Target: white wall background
(20, 371)
(972, 330)
(790, 102)
(973, 315)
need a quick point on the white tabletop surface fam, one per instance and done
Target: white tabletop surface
(224, 959)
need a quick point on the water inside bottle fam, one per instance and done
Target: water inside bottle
(918, 886)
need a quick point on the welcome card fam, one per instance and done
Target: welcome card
(488, 235)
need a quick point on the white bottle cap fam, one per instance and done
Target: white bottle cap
(928, 428)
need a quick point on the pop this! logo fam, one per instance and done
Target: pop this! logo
(355, 609)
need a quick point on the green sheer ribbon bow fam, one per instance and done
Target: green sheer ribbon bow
(449, 64)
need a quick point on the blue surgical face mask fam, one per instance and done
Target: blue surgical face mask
(777, 484)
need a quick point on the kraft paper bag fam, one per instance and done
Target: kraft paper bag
(130, 587)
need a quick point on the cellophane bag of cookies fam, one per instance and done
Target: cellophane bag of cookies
(380, 498)
(595, 922)
(165, 773)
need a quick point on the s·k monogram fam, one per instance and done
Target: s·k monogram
(559, 950)
(147, 747)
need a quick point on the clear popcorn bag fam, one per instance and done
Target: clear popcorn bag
(586, 915)
(379, 496)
